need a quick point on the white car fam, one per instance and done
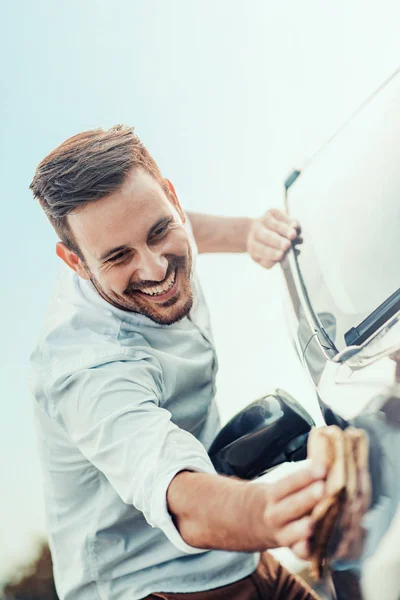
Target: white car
(343, 308)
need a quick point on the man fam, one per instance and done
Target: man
(124, 382)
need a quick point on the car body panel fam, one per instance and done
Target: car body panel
(347, 202)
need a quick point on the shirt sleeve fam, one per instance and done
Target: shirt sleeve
(112, 413)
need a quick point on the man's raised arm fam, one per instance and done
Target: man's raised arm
(266, 239)
(220, 234)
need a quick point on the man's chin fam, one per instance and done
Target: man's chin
(168, 315)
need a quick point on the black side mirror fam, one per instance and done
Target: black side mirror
(268, 432)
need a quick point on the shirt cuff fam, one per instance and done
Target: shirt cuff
(163, 519)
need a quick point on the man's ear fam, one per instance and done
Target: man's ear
(72, 260)
(174, 199)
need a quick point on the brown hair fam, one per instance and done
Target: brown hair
(85, 168)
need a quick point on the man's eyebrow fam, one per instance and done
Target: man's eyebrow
(112, 251)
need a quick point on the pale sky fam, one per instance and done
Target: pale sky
(228, 96)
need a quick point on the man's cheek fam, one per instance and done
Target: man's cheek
(116, 284)
(177, 243)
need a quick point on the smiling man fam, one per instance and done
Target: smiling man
(124, 383)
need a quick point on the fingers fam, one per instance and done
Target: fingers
(281, 223)
(291, 501)
(302, 549)
(296, 481)
(297, 532)
(265, 256)
(281, 215)
(299, 504)
(272, 239)
(267, 248)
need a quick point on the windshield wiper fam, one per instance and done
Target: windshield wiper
(357, 335)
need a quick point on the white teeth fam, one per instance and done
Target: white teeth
(160, 289)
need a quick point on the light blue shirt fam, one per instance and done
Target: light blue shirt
(121, 405)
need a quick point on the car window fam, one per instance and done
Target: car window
(348, 203)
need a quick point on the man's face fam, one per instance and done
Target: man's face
(136, 250)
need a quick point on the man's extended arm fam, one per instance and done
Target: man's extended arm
(266, 239)
(220, 234)
(212, 511)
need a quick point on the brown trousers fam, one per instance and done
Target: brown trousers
(270, 581)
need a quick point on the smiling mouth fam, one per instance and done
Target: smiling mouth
(161, 289)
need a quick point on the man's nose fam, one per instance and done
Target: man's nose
(152, 266)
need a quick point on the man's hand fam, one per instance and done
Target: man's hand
(289, 506)
(212, 511)
(270, 237)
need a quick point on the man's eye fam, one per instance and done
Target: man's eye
(118, 257)
(160, 231)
